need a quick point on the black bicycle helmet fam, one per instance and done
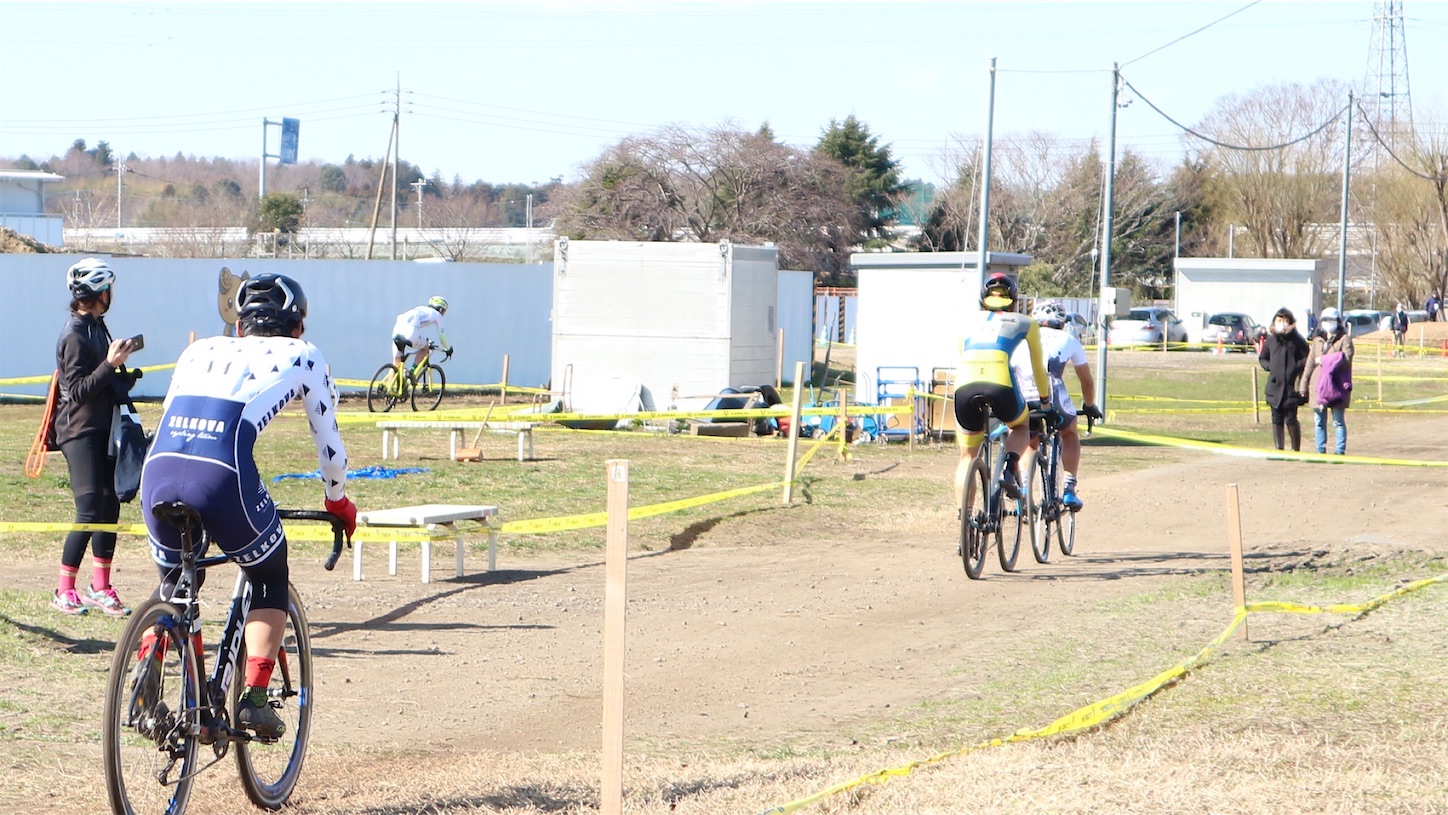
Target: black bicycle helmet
(271, 300)
(999, 292)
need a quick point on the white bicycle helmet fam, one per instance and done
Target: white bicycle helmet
(1049, 313)
(89, 277)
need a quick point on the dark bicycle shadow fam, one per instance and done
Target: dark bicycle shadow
(71, 645)
(562, 798)
(1139, 565)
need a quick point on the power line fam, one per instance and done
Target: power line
(1250, 148)
(1184, 36)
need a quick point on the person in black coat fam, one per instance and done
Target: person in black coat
(92, 381)
(1283, 356)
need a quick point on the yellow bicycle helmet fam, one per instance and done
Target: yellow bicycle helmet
(438, 303)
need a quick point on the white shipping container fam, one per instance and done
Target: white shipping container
(1256, 287)
(683, 319)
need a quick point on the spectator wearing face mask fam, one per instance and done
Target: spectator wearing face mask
(1330, 357)
(1283, 356)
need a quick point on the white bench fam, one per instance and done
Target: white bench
(431, 518)
(391, 445)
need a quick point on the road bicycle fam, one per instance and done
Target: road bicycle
(1051, 520)
(989, 516)
(161, 709)
(423, 383)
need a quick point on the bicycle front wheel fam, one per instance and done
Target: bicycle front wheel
(383, 392)
(1013, 519)
(152, 715)
(269, 771)
(427, 389)
(975, 520)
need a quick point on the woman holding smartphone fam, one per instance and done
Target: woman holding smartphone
(92, 382)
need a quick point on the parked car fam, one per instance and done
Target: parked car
(1145, 326)
(1234, 329)
(1081, 328)
(1363, 320)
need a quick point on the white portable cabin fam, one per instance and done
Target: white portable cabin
(912, 307)
(681, 320)
(1256, 287)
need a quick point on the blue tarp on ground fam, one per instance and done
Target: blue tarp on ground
(364, 472)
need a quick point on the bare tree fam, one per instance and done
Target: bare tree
(1277, 195)
(709, 185)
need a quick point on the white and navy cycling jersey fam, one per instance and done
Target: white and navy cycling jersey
(1059, 350)
(224, 392)
(410, 323)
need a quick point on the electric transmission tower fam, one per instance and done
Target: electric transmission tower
(1388, 101)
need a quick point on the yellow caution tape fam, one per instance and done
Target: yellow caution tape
(45, 378)
(1098, 713)
(1257, 452)
(296, 532)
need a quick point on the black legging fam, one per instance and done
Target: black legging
(93, 482)
(1285, 416)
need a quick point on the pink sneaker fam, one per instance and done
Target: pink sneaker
(67, 602)
(106, 600)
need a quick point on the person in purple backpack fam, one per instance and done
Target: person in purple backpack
(1330, 357)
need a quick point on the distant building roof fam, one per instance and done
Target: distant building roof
(29, 175)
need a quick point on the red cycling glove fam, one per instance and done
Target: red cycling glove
(346, 510)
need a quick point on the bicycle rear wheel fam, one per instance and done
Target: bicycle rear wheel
(1038, 504)
(269, 772)
(381, 392)
(148, 739)
(1013, 519)
(427, 389)
(1046, 502)
(975, 519)
(1067, 536)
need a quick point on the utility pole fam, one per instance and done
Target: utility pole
(1342, 220)
(983, 240)
(1107, 204)
(121, 171)
(417, 187)
(396, 151)
(528, 253)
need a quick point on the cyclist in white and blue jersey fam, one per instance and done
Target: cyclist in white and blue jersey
(224, 392)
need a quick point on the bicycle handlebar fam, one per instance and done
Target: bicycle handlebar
(338, 529)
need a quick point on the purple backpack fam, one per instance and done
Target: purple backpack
(1335, 382)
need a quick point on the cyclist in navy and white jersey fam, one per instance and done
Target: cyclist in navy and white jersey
(224, 392)
(1060, 350)
(407, 330)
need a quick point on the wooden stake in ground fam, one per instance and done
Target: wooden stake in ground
(794, 410)
(615, 608)
(1234, 539)
(505, 379)
(1256, 402)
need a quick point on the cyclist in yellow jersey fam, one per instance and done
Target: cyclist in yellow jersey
(984, 379)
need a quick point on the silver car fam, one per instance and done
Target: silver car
(1145, 326)
(1081, 328)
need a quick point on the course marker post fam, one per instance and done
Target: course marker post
(779, 361)
(796, 404)
(1380, 372)
(1256, 403)
(505, 379)
(1234, 537)
(615, 609)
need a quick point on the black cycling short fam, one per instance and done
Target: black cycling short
(401, 343)
(972, 398)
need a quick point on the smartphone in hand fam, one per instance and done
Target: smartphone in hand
(138, 342)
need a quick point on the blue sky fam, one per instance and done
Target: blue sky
(527, 91)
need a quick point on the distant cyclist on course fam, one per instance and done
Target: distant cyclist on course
(985, 378)
(224, 392)
(1060, 349)
(407, 331)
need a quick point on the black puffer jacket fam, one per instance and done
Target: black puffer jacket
(89, 387)
(1283, 356)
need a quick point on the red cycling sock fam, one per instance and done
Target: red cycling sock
(100, 574)
(259, 671)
